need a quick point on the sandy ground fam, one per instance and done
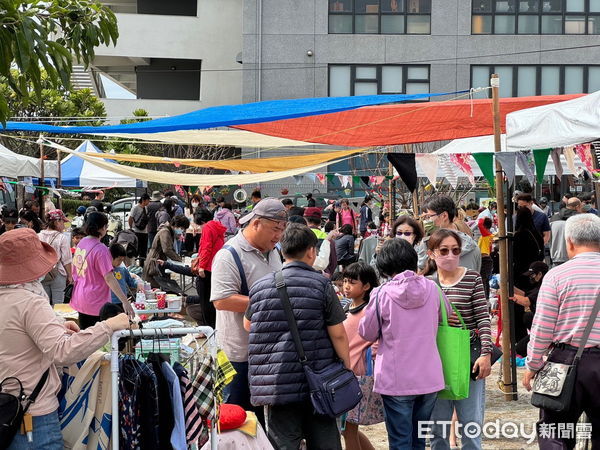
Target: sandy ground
(519, 412)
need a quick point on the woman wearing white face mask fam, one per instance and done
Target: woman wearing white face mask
(162, 247)
(192, 234)
(464, 289)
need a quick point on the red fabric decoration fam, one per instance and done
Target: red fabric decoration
(231, 417)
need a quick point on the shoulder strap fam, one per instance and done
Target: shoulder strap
(36, 390)
(238, 262)
(588, 329)
(378, 315)
(289, 314)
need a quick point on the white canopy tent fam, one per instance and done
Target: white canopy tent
(13, 165)
(557, 125)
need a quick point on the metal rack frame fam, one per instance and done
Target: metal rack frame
(157, 333)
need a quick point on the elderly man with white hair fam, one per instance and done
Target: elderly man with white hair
(565, 302)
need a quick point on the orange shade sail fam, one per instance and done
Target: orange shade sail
(401, 123)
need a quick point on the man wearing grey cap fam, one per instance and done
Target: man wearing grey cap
(245, 258)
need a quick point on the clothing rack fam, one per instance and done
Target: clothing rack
(156, 333)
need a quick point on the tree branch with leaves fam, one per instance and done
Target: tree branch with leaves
(49, 35)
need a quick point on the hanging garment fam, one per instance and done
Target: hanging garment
(225, 373)
(85, 404)
(165, 405)
(202, 387)
(138, 405)
(178, 438)
(193, 421)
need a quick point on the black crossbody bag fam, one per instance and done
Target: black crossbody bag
(334, 390)
(13, 408)
(553, 385)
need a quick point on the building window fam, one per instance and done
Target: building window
(169, 79)
(380, 16)
(346, 80)
(535, 17)
(524, 81)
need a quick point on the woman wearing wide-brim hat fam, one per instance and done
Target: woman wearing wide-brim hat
(33, 339)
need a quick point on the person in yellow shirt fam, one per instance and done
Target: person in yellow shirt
(485, 245)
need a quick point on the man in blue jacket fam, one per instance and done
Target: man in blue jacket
(277, 379)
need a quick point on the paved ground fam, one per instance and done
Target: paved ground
(519, 412)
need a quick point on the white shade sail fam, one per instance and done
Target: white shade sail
(560, 124)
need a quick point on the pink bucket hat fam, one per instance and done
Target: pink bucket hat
(23, 257)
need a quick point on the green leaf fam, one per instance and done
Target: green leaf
(4, 112)
(23, 55)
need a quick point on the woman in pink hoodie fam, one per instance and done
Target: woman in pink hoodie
(404, 314)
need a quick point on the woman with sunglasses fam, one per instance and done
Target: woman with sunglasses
(464, 289)
(407, 228)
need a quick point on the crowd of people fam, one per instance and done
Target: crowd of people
(367, 289)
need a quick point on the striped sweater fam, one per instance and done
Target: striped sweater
(468, 296)
(564, 304)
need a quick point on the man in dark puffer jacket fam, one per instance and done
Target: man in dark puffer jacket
(276, 376)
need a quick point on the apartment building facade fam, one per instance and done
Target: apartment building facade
(171, 57)
(314, 48)
(318, 48)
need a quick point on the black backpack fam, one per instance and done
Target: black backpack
(142, 221)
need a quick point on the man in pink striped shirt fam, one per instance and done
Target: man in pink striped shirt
(565, 303)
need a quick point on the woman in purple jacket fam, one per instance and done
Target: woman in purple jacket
(404, 314)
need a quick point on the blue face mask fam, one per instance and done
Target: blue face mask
(178, 231)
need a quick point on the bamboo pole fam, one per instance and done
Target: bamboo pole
(506, 347)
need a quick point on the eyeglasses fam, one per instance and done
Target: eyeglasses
(445, 251)
(404, 233)
(281, 224)
(430, 216)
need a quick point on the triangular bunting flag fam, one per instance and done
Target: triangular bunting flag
(462, 161)
(330, 177)
(298, 179)
(9, 188)
(569, 153)
(321, 177)
(585, 155)
(341, 178)
(346, 180)
(541, 159)
(356, 180)
(450, 170)
(507, 161)
(379, 179)
(485, 161)
(429, 165)
(404, 163)
(366, 180)
(558, 168)
(527, 165)
(312, 177)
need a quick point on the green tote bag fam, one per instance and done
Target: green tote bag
(454, 346)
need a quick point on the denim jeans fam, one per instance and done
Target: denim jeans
(402, 416)
(469, 410)
(46, 435)
(56, 289)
